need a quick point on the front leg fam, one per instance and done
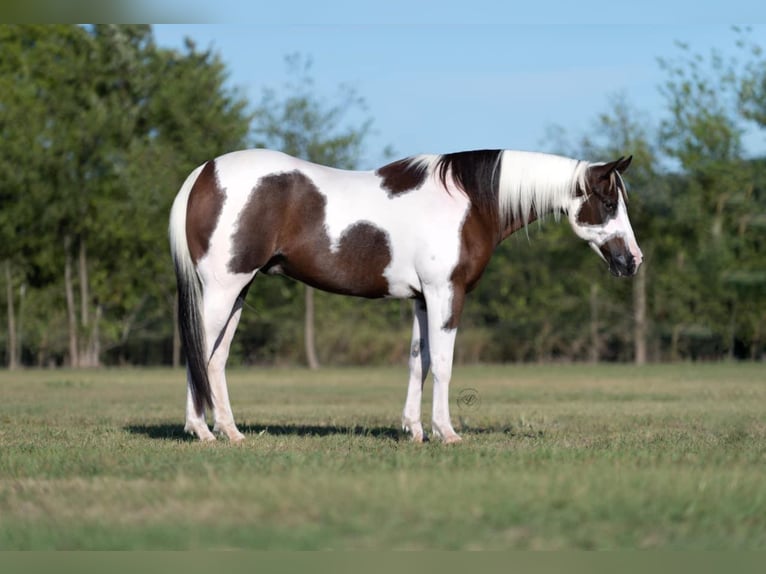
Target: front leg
(444, 308)
(419, 363)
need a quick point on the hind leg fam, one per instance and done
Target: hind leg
(220, 315)
(222, 413)
(221, 312)
(419, 363)
(195, 422)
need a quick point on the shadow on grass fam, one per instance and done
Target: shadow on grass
(176, 432)
(164, 431)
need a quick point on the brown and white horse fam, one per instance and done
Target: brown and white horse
(421, 228)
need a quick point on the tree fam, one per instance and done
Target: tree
(709, 100)
(620, 131)
(192, 116)
(31, 61)
(100, 128)
(17, 107)
(311, 128)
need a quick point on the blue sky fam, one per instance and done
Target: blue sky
(454, 75)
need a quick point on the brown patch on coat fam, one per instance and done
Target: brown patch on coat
(593, 211)
(402, 176)
(600, 200)
(281, 230)
(478, 238)
(604, 187)
(515, 223)
(203, 210)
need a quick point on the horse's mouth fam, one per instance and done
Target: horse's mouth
(623, 266)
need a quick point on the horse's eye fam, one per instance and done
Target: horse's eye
(610, 206)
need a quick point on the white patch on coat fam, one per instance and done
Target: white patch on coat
(422, 250)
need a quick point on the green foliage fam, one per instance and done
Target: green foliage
(698, 220)
(99, 127)
(303, 125)
(722, 256)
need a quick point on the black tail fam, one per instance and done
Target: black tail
(193, 338)
(189, 300)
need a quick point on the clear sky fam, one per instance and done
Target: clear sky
(461, 74)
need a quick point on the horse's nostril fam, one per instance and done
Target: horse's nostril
(623, 264)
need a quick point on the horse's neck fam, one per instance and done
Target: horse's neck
(518, 222)
(533, 185)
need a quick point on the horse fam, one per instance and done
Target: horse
(421, 228)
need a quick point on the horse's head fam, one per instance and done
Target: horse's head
(599, 215)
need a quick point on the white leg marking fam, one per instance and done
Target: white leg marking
(195, 423)
(419, 363)
(442, 344)
(221, 312)
(222, 413)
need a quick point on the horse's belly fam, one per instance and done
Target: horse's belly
(361, 262)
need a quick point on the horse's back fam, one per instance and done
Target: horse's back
(239, 171)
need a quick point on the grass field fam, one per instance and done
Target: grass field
(609, 457)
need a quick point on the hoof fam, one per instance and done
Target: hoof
(236, 437)
(202, 432)
(452, 439)
(419, 438)
(415, 430)
(445, 433)
(230, 432)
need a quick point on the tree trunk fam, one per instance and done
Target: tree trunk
(90, 345)
(543, 346)
(84, 295)
(74, 354)
(310, 339)
(94, 347)
(176, 335)
(732, 331)
(19, 325)
(674, 339)
(595, 341)
(12, 364)
(127, 327)
(42, 350)
(639, 316)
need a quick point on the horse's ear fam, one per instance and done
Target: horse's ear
(623, 164)
(603, 171)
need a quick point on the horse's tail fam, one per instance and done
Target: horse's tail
(189, 299)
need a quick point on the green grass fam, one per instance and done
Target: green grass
(608, 457)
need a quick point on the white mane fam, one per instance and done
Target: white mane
(537, 181)
(525, 182)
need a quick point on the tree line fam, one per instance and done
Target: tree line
(100, 126)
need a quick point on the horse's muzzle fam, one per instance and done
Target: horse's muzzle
(623, 265)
